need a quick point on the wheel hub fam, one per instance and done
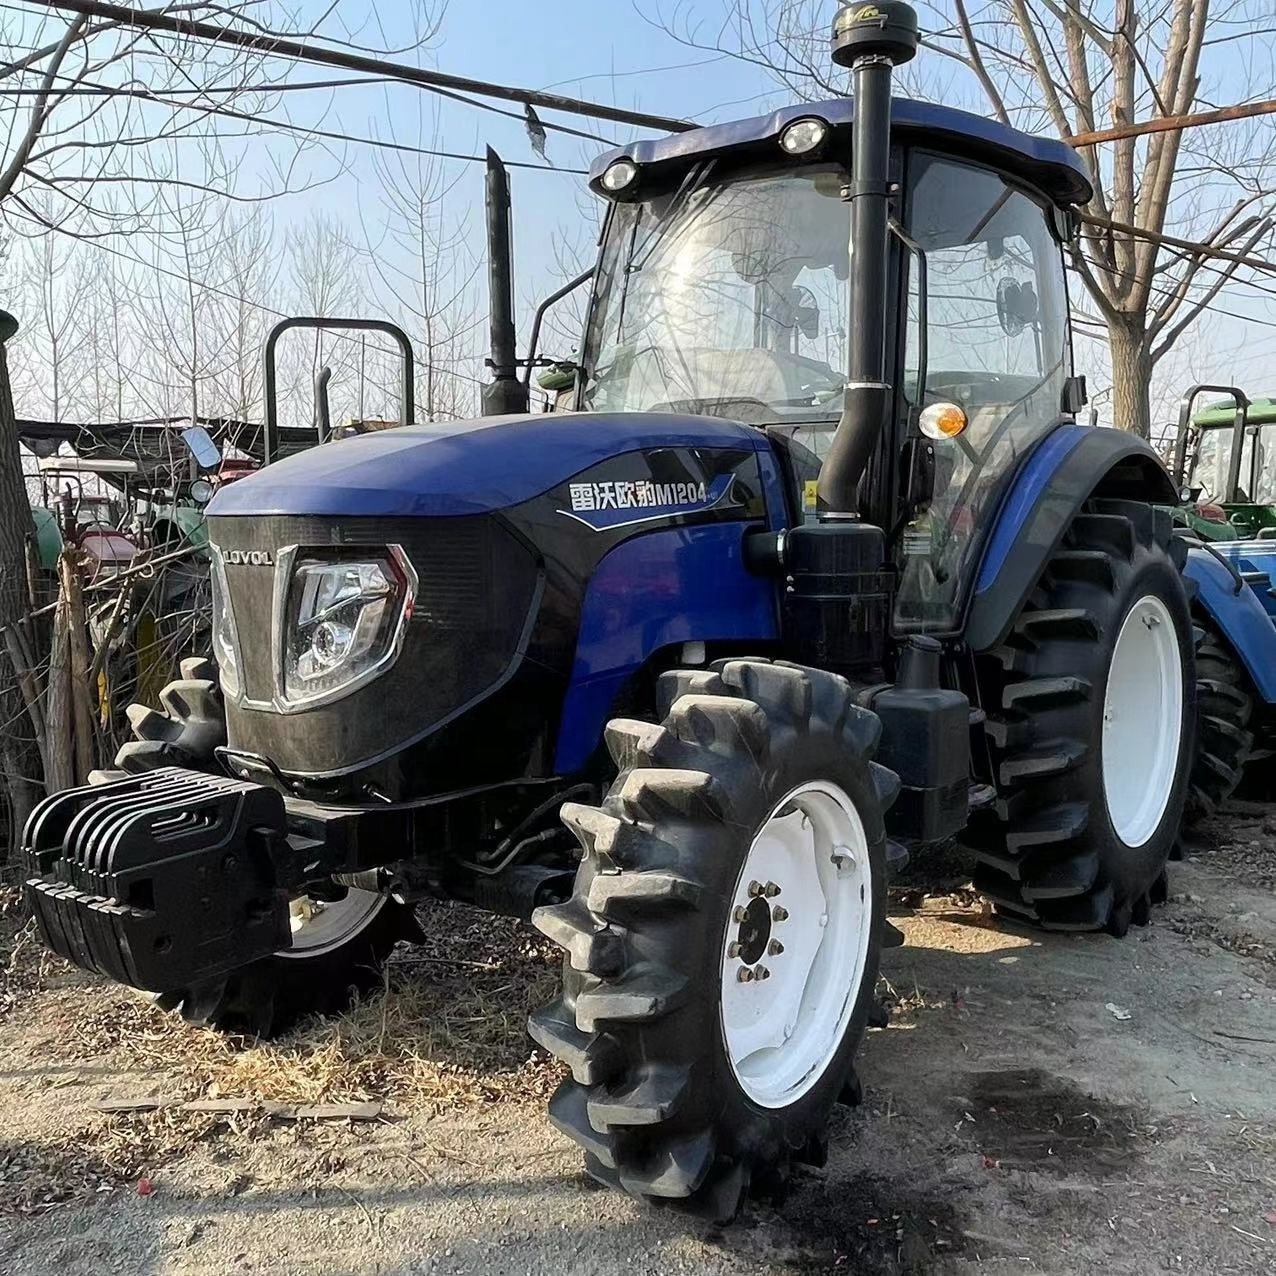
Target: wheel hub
(320, 925)
(755, 931)
(792, 971)
(1142, 721)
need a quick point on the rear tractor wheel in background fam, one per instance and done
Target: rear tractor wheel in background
(1091, 704)
(1225, 741)
(723, 937)
(340, 942)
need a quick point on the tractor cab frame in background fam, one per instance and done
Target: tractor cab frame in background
(1225, 461)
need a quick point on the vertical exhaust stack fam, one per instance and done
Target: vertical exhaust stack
(505, 394)
(838, 594)
(871, 39)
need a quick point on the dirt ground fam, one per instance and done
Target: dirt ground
(1038, 1103)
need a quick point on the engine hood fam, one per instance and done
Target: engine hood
(463, 467)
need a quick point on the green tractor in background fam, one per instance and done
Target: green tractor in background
(1227, 465)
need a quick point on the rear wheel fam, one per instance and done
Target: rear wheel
(723, 937)
(339, 943)
(1091, 717)
(1225, 705)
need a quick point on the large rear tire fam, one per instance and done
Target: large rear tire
(1225, 705)
(339, 946)
(723, 936)
(1091, 721)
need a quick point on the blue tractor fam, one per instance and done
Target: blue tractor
(1222, 455)
(819, 567)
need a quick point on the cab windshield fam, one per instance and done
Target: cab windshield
(726, 299)
(1257, 482)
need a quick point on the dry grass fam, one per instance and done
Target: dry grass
(447, 1032)
(25, 964)
(447, 1029)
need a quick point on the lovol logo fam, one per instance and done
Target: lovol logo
(248, 557)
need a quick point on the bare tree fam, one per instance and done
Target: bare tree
(51, 361)
(424, 270)
(247, 283)
(325, 280)
(94, 119)
(1072, 67)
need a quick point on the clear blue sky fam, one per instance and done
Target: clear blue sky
(604, 52)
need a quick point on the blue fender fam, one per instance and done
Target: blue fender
(679, 585)
(1239, 616)
(1069, 466)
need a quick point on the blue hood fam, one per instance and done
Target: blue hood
(463, 467)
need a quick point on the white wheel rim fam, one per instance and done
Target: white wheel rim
(800, 923)
(1142, 721)
(319, 926)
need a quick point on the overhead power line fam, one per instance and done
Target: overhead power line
(252, 117)
(276, 46)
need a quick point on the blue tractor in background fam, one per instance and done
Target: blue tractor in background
(1221, 457)
(819, 567)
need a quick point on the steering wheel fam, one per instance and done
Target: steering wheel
(760, 413)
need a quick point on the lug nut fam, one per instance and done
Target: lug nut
(739, 913)
(762, 973)
(755, 889)
(745, 974)
(772, 890)
(774, 948)
(779, 913)
(734, 948)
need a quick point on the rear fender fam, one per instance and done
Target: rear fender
(1072, 464)
(1239, 617)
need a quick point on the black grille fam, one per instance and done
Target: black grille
(476, 585)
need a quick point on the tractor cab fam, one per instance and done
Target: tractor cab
(724, 285)
(1226, 464)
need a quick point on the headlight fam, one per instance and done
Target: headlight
(201, 491)
(344, 623)
(804, 136)
(619, 176)
(225, 639)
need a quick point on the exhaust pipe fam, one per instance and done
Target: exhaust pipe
(505, 394)
(871, 39)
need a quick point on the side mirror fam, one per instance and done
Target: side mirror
(806, 313)
(533, 345)
(559, 375)
(200, 445)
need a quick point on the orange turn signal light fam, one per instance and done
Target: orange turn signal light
(942, 421)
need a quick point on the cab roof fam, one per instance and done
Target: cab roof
(1045, 162)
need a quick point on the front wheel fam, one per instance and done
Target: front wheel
(723, 937)
(1091, 705)
(339, 949)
